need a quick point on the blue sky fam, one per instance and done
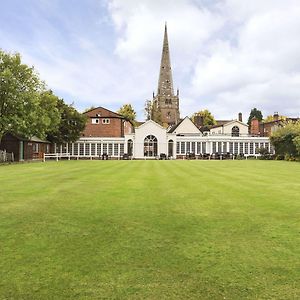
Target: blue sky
(227, 56)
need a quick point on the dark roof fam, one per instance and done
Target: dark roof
(30, 139)
(173, 127)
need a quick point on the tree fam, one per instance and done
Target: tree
(148, 109)
(286, 139)
(128, 112)
(271, 118)
(254, 113)
(72, 123)
(20, 89)
(208, 118)
(89, 108)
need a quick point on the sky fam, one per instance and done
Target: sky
(227, 56)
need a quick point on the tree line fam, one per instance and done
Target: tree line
(28, 108)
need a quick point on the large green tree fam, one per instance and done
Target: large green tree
(128, 112)
(20, 89)
(255, 113)
(208, 118)
(71, 124)
(286, 139)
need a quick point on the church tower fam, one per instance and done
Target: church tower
(165, 108)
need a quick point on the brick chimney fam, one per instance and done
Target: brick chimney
(240, 117)
(254, 130)
(198, 121)
(276, 116)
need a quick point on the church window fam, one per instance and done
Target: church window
(235, 131)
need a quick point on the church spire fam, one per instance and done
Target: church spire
(165, 82)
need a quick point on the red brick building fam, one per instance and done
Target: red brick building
(265, 129)
(23, 148)
(102, 122)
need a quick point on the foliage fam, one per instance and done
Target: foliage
(208, 118)
(128, 112)
(89, 108)
(286, 140)
(271, 118)
(255, 113)
(20, 89)
(114, 230)
(148, 110)
(72, 123)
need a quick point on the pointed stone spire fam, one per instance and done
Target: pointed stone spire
(165, 82)
(165, 108)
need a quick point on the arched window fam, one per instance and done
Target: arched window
(170, 148)
(235, 131)
(150, 146)
(168, 115)
(129, 147)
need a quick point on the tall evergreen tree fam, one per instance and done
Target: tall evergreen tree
(255, 113)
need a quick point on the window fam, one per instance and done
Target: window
(116, 149)
(235, 131)
(35, 147)
(105, 121)
(168, 115)
(236, 145)
(93, 149)
(81, 147)
(76, 148)
(168, 101)
(170, 148)
(203, 147)
(251, 148)
(193, 147)
(95, 121)
(214, 147)
(230, 147)
(188, 147)
(87, 149)
(256, 148)
(198, 148)
(177, 148)
(130, 147)
(241, 148)
(182, 148)
(224, 147)
(98, 148)
(219, 147)
(246, 148)
(121, 149)
(110, 149)
(104, 148)
(150, 146)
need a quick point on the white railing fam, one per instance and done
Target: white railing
(56, 156)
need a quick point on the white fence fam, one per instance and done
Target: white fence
(6, 157)
(56, 156)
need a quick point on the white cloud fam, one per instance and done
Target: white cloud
(227, 56)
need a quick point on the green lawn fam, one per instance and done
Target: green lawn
(150, 230)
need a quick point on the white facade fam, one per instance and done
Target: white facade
(150, 140)
(228, 128)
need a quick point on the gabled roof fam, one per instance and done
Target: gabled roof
(152, 122)
(190, 123)
(172, 128)
(101, 107)
(228, 123)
